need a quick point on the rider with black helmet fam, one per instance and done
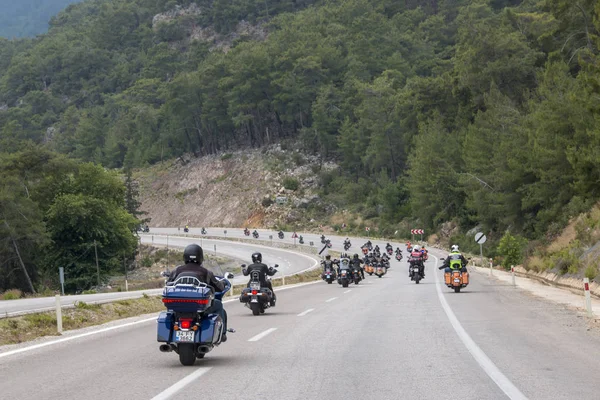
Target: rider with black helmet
(193, 256)
(355, 262)
(264, 270)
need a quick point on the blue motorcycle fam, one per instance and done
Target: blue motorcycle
(186, 328)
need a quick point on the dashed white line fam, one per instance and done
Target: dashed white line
(262, 335)
(331, 299)
(167, 394)
(303, 313)
(482, 359)
(348, 291)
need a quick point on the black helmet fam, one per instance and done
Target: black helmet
(193, 254)
(256, 257)
(328, 257)
(355, 256)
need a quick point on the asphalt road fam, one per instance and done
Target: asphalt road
(386, 338)
(289, 263)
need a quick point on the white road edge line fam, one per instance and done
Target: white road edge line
(331, 299)
(348, 291)
(168, 393)
(262, 335)
(303, 313)
(482, 359)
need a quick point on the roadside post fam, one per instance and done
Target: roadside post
(512, 272)
(491, 267)
(225, 232)
(61, 277)
(59, 326)
(480, 239)
(215, 250)
(588, 298)
(271, 238)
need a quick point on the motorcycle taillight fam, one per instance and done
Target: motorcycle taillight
(254, 292)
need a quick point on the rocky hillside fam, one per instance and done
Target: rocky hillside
(234, 189)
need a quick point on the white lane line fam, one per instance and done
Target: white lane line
(303, 313)
(348, 291)
(171, 391)
(331, 299)
(482, 359)
(262, 335)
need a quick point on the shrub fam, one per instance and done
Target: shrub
(40, 320)
(12, 294)
(226, 156)
(82, 305)
(291, 183)
(591, 272)
(146, 262)
(511, 248)
(267, 202)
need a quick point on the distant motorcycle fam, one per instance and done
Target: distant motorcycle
(323, 239)
(390, 251)
(257, 297)
(345, 275)
(185, 328)
(380, 269)
(186, 229)
(455, 279)
(301, 240)
(347, 245)
(329, 274)
(203, 231)
(356, 275)
(246, 232)
(255, 234)
(399, 256)
(280, 234)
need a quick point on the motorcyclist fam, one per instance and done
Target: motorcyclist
(389, 247)
(280, 234)
(356, 263)
(322, 238)
(193, 256)
(417, 257)
(186, 228)
(328, 263)
(425, 253)
(409, 246)
(376, 251)
(347, 243)
(255, 233)
(203, 231)
(264, 270)
(246, 231)
(455, 260)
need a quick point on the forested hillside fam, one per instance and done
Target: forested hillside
(23, 18)
(481, 112)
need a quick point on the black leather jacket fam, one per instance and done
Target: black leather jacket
(263, 269)
(198, 271)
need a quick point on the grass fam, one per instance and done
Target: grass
(32, 326)
(12, 294)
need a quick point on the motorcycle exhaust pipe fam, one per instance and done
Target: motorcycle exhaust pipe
(165, 348)
(203, 349)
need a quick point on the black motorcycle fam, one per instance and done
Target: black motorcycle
(255, 234)
(347, 245)
(301, 240)
(414, 271)
(345, 274)
(203, 231)
(186, 229)
(399, 256)
(322, 239)
(280, 234)
(246, 232)
(255, 296)
(329, 274)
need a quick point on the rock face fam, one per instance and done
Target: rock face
(234, 189)
(176, 12)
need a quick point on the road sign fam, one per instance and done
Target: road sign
(280, 200)
(417, 231)
(480, 238)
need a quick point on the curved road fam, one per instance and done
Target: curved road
(383, 339)
(289, 263)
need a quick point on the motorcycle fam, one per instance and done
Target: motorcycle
(246, 232)
(322, 239)
(365, 251)
(203, 231)
(329, 275)
(369, 246)
(280, 234)
(347, 245)
(415, 272)
(390, 251)
(398, 256)
(301, 240)
(380, 270)
(186, 229)
(345, 274)
(256, 297)
(255, 234)
(369, 269)
(185, 327)
(456, 279)
(356, 275)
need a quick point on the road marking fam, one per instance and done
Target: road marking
(171, 391)
(262, 335)
(331, 299)
(482, 359)
(348, 291)
(303, 313)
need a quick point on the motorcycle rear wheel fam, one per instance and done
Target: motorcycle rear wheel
(187, 355)
(255, 308)
(457, 289)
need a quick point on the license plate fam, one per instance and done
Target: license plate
(184, 337)
(254, 300)
(328, 276)
(255, 286)
(456, 280)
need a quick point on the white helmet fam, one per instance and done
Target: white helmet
(417, 248)
(455, 247)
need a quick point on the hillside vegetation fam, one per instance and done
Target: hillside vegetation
(480, 114)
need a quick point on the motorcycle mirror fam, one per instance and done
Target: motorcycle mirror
(229, 275)
(164, 273)
(243, 265)
(442, 259)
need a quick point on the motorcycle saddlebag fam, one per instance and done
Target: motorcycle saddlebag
(165, 324)
(211, 327)
(448, 278)
(465, 278)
